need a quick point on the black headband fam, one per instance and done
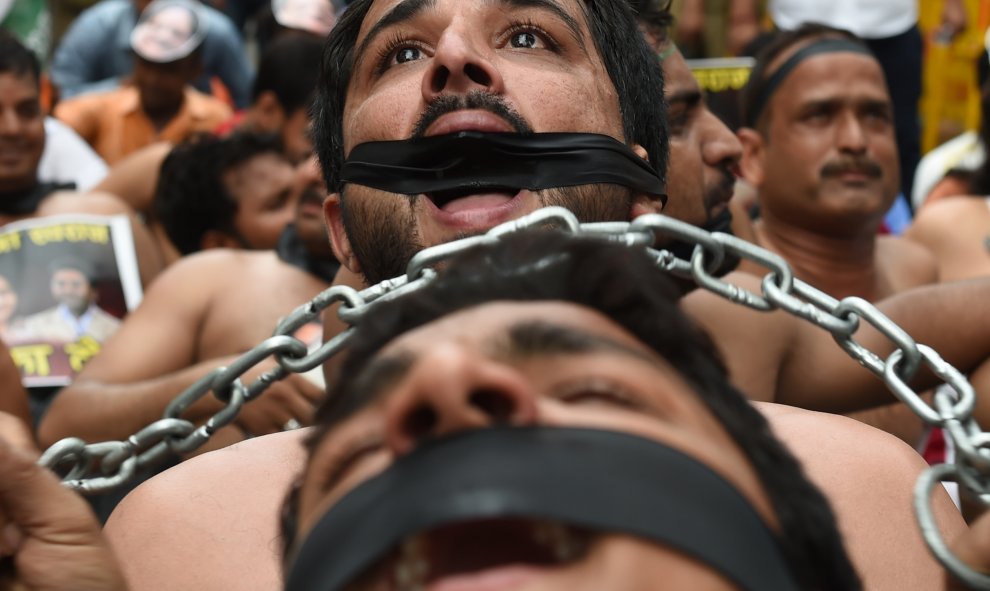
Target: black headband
(599, 480)
(475, 160)
(827, 45)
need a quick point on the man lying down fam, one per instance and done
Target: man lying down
(543, 417)
(540, 416)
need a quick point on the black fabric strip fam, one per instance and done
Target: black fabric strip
(600, 480)
(778, 77)
(475, 160)
(24, 202)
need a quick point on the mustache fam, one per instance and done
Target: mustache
(475, 99)
(863, 165)
(312, 195)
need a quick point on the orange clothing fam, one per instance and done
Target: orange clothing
(115, 125)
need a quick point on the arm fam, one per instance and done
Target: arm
(776, 357)
(142, 367)
(13, 397)
(50, 533)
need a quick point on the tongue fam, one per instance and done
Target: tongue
(471, 202)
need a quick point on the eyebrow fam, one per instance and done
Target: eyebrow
(409, 9)
(527, 338)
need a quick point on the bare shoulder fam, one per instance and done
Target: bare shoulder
(909, 263)
(868, 476)
(943, 221)
(210, 522)
(93, 202)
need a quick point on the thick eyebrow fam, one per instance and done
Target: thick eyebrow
(536, 338)
(409, 9)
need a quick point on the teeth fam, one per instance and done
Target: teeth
(412, 567)
(560, 539)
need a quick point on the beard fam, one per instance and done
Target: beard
(384, 236)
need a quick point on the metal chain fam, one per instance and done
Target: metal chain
(99, 467)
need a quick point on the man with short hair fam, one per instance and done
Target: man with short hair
(76, 313)
(159, 105)
(233, 192)
(821, 153)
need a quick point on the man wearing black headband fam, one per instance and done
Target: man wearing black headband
(820, 151)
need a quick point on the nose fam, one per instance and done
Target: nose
(451, 389)
(460, 65)
(850, 134)
(310, 172)
(10, 123)
(721, 146)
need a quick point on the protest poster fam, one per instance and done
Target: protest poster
(66, 282)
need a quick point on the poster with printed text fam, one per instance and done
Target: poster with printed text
(66, 283)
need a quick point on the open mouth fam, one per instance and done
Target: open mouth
(471, 196)
(483, 555)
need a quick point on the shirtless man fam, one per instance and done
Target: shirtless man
(179, 334)
(232, 192)
(821, 153)
(22, 141)
(704, 148)
(437, 384)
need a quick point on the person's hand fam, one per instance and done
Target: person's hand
(953, 20)
(49, 538)
(286, 404)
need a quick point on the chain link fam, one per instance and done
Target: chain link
(99, 467)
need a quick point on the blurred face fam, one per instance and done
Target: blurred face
(22, 131)
(828, 152)
(310, 227)
(548, 363)
(704, 152)
(72, 289)
(295, 136)
(161, 86)
(8, 300)
(265, 190)
(433, 68)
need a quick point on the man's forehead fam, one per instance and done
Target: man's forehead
(380, 8)
(678, 78)
(817, 87)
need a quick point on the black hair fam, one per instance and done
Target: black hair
(978, 180)
(768, 53)
(17, 59)
(631, 64)
(627, 287)
(190, 198)
(288, 68)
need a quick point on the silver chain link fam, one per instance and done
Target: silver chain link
(99, 467)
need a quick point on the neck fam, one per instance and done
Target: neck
(841, 266)
(162, 117)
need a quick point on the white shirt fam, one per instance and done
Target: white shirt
(68, 158)
(870, 19)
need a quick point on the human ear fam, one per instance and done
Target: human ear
(269, 115)
(643, 203)
(333, 214)
(753, 154)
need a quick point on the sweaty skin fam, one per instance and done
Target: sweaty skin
(823, 160)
